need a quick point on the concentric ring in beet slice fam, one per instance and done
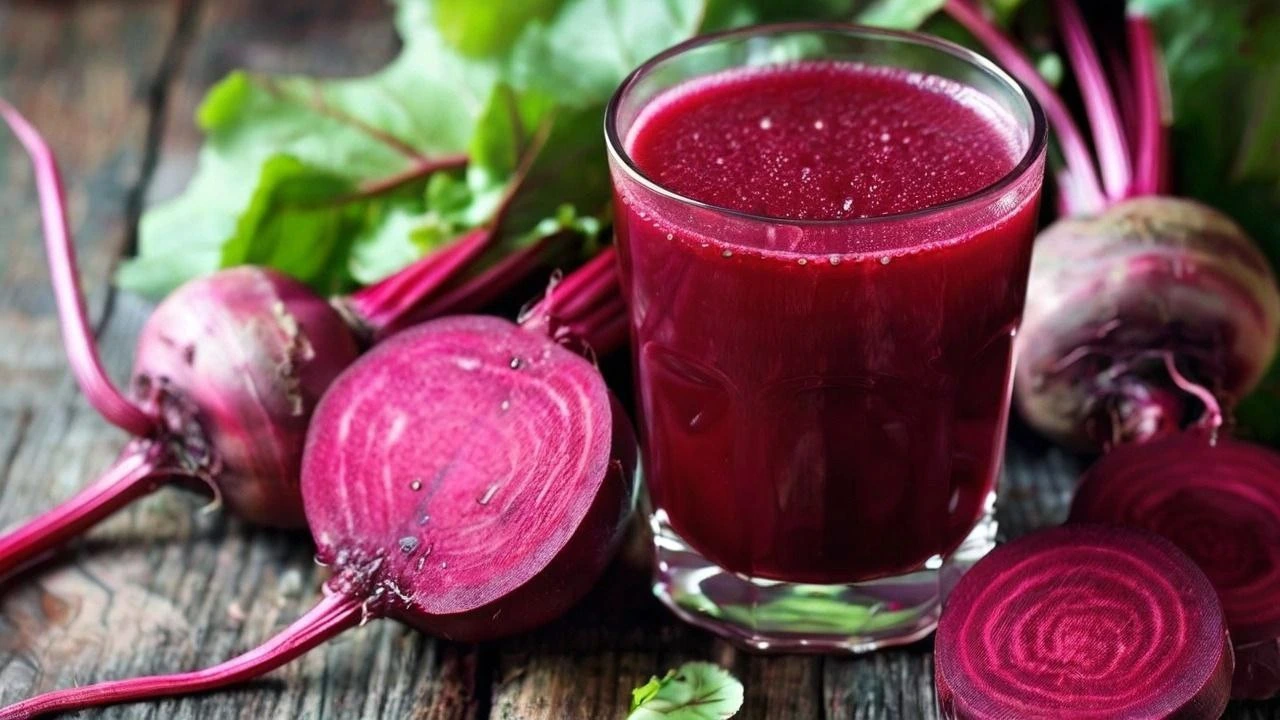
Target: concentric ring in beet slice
(1087, 622)
(1220, 503)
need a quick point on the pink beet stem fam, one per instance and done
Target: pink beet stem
(1126, 98)
(586, 305)
(1099, 102)
(138, 472)
(391, 304)
(419, 170)
(1087, 196)
(82, 348)
(383, 306)
(1153, 126)
(330, 617)
(486, 287)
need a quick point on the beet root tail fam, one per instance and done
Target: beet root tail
(330, 617)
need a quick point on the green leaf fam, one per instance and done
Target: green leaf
(649, 690)
(903, 14)
(1224, 78)
(507, 126)
(393, 241)
(362, 132)
(488, 27)
(321, 178)
(696, 691)
(297, 220)
(898, 14)
(581, 55)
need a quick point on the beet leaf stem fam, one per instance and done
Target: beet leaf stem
(1151, 172)
(395, 302)
(586, 305)
(1087, 195)
(1099, 101)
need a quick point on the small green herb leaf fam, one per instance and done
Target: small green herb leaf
(696, 691)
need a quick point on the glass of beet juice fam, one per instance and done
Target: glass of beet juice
(825, 233)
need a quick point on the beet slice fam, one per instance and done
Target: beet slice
(1086, 622)
(1220, 503)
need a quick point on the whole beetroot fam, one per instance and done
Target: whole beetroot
(1143, 320)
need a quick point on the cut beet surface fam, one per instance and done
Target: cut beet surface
(1219, 503)
(1083, 622)
(484, 506)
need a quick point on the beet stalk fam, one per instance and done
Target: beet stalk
(1084, 622)
(470, 477)
(1146, 314)
(229, 367)
(1219, 503)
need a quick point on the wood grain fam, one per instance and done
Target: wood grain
(163, 586)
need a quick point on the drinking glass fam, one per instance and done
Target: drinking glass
(823, 415)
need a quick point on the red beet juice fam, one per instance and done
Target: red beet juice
(826, 265)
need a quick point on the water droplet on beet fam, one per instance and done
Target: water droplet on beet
(488, 495)
(408, 544)
(505, 406)
(416, 485)
(516, 363)
(423, 519)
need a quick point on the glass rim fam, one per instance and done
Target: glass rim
(1035, 148)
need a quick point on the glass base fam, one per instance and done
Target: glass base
(773, 616)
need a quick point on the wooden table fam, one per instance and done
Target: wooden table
(163, 587)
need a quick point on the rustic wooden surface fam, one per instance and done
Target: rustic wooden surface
(113, 83)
